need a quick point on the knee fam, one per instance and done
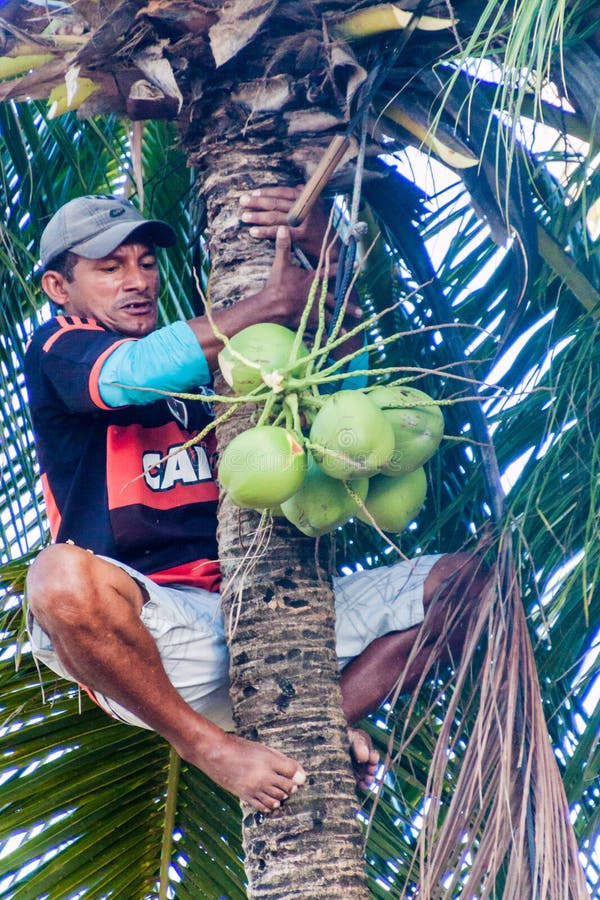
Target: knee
(60, 581)
(458, 575)
(452, 594)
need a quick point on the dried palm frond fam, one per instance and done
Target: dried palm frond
(508, 813)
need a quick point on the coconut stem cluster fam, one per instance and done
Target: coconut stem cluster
(321, 459)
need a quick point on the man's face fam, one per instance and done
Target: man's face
(120, 290)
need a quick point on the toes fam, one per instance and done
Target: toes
(258, 804)
(365, 758)
(365, 784)
(289, 770)
(280, 792)
(270, 799)
(361, 747)
(276, 793)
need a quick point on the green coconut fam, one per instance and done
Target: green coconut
(261, 467)
(267, 347)
(351, 437)
(322, 503)
(394, 501)
(417, 422)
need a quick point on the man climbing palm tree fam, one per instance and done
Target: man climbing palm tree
(125, 602)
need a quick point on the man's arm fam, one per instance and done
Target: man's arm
(282, 300)
(185, 364)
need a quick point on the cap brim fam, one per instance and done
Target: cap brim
(151, 231)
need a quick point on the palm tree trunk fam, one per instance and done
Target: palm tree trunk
(283, 670)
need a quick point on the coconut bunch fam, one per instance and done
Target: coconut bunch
(316, 458)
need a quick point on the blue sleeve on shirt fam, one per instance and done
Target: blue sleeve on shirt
(353, 383)
(169, 359)
(357, 381)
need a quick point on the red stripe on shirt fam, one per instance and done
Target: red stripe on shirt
(95, 374)
(203, 573)
(52, 511)
(75, 324)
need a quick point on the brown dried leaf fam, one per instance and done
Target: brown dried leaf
(508, 786)
(158, 71)
(181, 17)
(238, 24)
(265, 94)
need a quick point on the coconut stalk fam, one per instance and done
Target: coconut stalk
(279, 605)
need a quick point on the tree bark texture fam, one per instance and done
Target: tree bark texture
(283, 665)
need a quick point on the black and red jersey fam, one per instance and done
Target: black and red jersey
(117, 481)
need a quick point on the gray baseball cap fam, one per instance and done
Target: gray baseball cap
(95, 225)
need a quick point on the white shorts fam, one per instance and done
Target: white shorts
(187, 625)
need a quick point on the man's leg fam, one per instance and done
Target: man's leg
(450, 593)
(91, 611)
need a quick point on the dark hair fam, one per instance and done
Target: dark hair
(64, 264)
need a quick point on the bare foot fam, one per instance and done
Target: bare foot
(262, 777)
(365, 759)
